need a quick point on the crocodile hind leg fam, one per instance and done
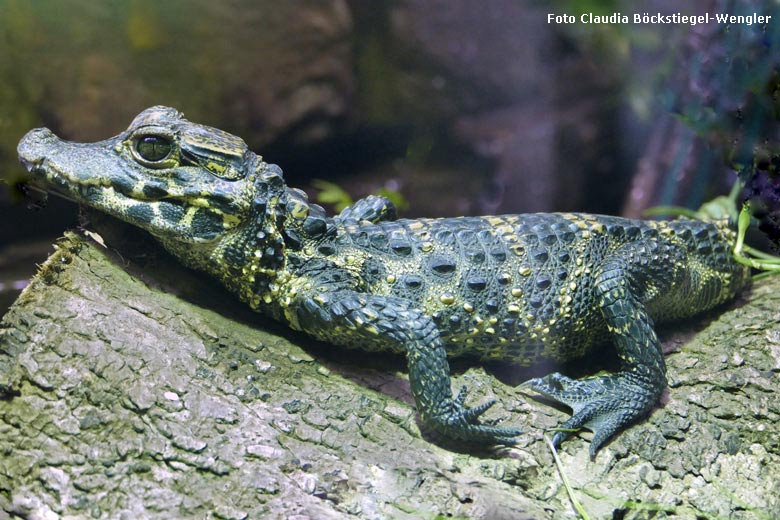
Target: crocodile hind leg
(607, 404)
(376, 322)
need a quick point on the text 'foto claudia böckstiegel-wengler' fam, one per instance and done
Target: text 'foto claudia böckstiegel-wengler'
(659, 18)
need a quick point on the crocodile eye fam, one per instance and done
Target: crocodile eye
(153, 148)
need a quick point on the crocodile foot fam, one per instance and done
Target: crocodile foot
(602, 404)
(460, 422)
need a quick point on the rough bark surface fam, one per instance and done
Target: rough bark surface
(137, 389)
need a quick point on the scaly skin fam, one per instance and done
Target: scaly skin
(515, 288)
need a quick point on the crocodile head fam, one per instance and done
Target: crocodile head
(164, 174)
(197, 189)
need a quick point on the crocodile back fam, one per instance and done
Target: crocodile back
(521, 287)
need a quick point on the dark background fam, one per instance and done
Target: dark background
(460, 107)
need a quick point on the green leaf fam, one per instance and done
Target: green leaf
(331, 193)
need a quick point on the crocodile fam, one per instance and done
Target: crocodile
(512, 288)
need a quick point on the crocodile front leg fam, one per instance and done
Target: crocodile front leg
(374, 322)
(607, 404)
(372, 208)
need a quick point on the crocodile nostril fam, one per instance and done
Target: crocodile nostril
(34, 146)
(39, 134)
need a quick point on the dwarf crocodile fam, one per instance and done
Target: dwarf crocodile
(514, 288)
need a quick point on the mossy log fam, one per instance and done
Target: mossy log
(138, 389)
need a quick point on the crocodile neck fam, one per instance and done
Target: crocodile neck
(248, 260)
(252, 261)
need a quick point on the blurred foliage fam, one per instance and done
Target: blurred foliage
(85, 68)
(615, 47)
(377, 68)
(763, 190)
(334, 195)
(396, 197)
(727, 89)
(61, 60)
(722, 81)
(719, 208)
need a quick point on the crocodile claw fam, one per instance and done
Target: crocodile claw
(602, 404)
(462, 423)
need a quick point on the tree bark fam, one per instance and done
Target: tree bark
(139, 389)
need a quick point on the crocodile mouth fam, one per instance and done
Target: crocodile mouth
(47, 180)
(37, 190)
(28, 186)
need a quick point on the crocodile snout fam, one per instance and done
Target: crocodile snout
(33, 147)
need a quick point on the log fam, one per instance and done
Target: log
(131, 387)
